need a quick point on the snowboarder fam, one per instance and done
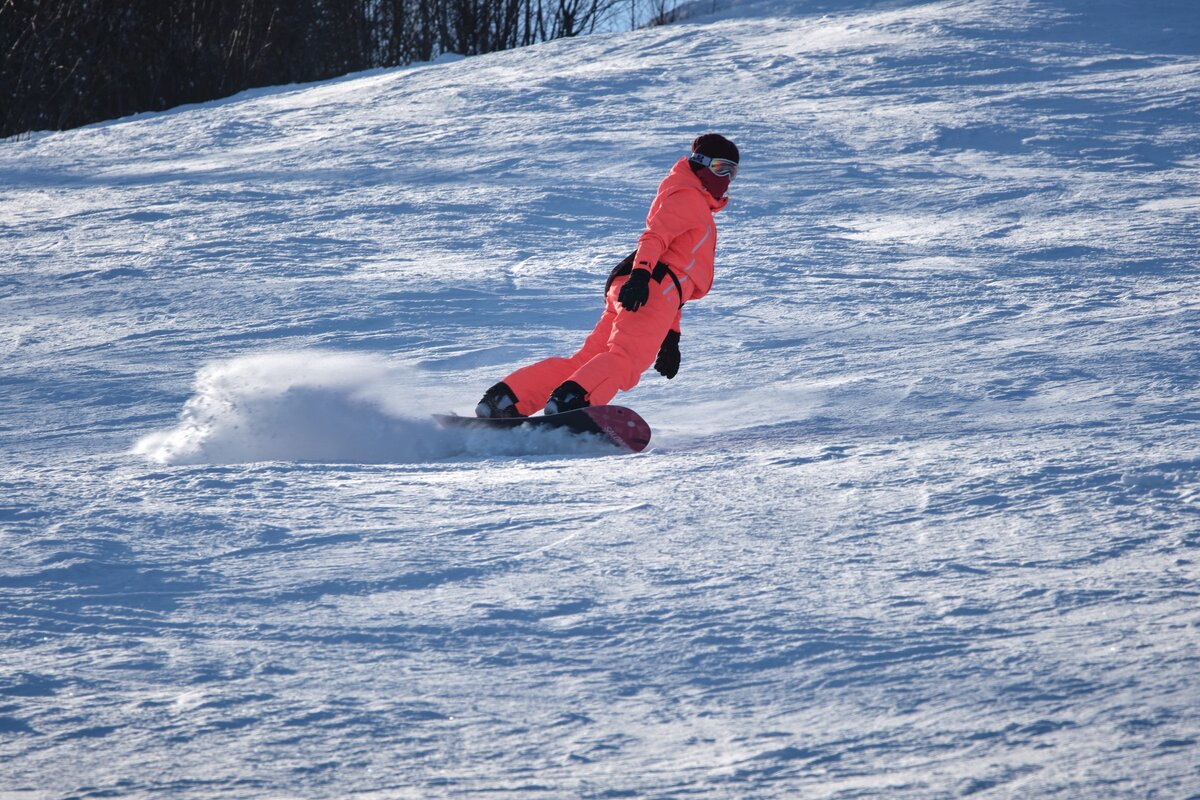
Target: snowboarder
(644, 296)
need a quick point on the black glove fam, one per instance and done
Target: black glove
(667, 363)
(636, 290)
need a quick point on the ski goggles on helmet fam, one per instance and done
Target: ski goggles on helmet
(719, 166)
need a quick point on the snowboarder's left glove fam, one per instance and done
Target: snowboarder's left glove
(667, 363)
(636, 291)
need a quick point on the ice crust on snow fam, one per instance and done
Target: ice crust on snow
(922, 511)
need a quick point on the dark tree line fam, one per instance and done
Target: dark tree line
(65, 63)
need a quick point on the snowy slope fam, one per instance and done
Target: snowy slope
(923, 508)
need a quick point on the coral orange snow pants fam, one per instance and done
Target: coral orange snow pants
(622, 346)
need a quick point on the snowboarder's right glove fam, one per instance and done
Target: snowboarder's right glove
(667, 363)
(636, 290)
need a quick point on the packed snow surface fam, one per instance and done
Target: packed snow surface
(921, 517)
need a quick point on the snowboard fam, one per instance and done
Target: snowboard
(621, 426)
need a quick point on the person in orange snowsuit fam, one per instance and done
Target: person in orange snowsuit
(644, 298)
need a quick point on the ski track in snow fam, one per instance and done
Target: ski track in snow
(921, 514)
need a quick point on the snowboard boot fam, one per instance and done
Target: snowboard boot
(567, 397)
(498, 402)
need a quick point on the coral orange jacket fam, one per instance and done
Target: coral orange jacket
(680, 231)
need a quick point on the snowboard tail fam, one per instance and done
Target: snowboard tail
(621, 426)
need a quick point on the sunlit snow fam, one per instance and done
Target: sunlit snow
(921, 514)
